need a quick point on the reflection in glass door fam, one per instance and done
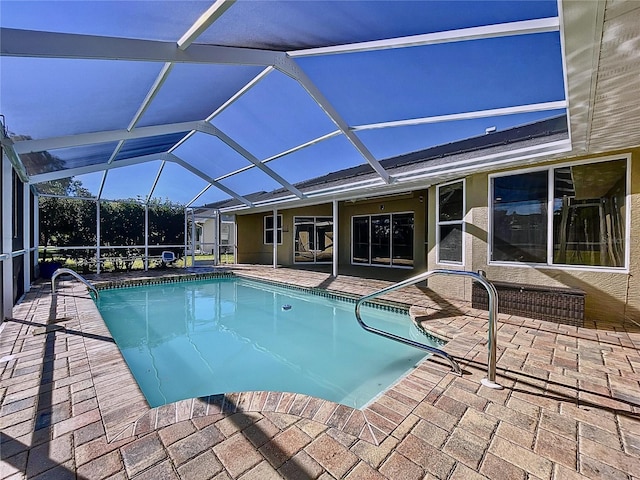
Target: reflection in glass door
(313, 237)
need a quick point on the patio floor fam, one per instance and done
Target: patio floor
(570, 407)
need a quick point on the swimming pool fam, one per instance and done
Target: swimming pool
(196, 338)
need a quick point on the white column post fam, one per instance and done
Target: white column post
(275, 238)
(216, 239)
(36, 230)
(98, 240)
(335, 239)
(193, 238)
(186, 237)
(26, 236)
(7, 240)
(146, 237)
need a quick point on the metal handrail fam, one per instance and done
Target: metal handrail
(490, 381)
(73, 273)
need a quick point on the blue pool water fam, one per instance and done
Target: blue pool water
(191, 339)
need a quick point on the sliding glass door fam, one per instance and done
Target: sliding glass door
(313, 237)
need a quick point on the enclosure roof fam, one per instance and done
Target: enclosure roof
(444, 162)
(217, 103)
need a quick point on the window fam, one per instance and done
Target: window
(268, 230)
(17, 215)
(360, 244)
(520, 218)
(383, 240)
(589, 214)
(380, 239)
(402, 239)
(450, 225)
(313, 237)
(588, 221)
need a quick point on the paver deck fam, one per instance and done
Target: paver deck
(570, 407)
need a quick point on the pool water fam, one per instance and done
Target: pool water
(191, 339)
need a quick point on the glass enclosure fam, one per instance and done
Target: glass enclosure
(383, 240)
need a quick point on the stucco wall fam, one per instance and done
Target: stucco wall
(610, 295)
(415, 202)
(251, 246)
(448, 286)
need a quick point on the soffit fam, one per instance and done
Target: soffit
(616, 109)
(602, 52)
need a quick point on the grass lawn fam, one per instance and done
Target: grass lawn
(84, 266)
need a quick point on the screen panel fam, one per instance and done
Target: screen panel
(187, 93)
(210, 155)
(393, 141)
(51, 97)
(177, 184)
(275, 115)
(134, 181)
(321, 23)
(157, 20)
(432, 80)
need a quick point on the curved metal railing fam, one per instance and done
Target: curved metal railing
(73, 273)
(490, 381)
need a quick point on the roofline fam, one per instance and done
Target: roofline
(505, 147)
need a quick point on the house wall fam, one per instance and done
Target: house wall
(415, 202)
(251, 246)
(611, 295)
(448, 286)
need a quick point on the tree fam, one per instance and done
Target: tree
(58, 216)
(166, 223)
(71, 221)
(122, 223)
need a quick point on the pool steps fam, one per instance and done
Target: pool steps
(490, 381)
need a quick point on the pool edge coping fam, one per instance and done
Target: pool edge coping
(373, 423)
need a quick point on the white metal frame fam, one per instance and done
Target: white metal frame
(216, 217)
(6, 243)
(64, 45)
(99, 247)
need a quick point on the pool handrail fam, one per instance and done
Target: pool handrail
(73, 273)
(490, 381)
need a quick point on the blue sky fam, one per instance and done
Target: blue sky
(46, 98)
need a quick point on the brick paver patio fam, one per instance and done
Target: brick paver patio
(570, 407)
